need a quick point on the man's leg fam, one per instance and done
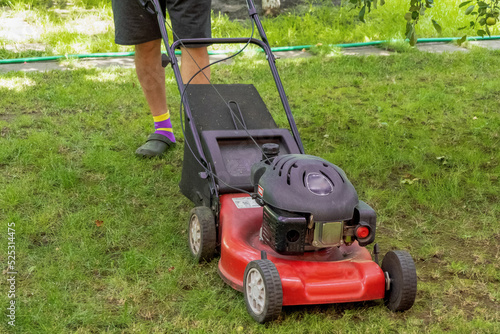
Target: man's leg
(151, 76)
(192, 62)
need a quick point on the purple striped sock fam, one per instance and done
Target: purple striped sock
(163, 126)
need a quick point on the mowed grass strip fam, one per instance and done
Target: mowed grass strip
(101, 236)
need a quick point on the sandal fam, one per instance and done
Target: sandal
(155, 146)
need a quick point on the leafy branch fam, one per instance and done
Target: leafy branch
(366, 5)
(486, 13)
(417, 9)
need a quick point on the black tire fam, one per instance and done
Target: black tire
(202, 234)
(262, 282)
(403, 280)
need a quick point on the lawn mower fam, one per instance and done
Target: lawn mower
(288, 226)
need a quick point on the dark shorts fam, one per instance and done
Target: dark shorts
(134, 25)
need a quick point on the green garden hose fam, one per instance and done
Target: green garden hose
(275, 49)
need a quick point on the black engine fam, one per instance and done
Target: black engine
(309, 204)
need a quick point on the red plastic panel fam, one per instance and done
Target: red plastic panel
(335, 275)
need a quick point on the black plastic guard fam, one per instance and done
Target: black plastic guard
(228, 148)
(232, 154)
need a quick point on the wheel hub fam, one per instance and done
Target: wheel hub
(195, 235)
(387, 281)
(256, 291)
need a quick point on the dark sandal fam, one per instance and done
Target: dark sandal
(155, 146)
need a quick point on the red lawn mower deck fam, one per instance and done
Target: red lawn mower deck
(332, 275)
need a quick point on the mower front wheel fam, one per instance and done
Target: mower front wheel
(263, 290)
(202, 234)
(401, 276)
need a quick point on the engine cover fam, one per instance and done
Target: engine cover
(305, 184)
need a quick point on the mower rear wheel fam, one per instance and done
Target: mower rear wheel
(400, 270)
(262, 290)
(202, 234)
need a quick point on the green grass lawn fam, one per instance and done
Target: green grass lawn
(417, 134)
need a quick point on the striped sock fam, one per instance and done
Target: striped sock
(163, 126)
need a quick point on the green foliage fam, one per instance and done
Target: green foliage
(486, 14)
(77, 30)
(365, 5)
(51, 3)
(29, 4)
(417, 9)
(91, 3)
